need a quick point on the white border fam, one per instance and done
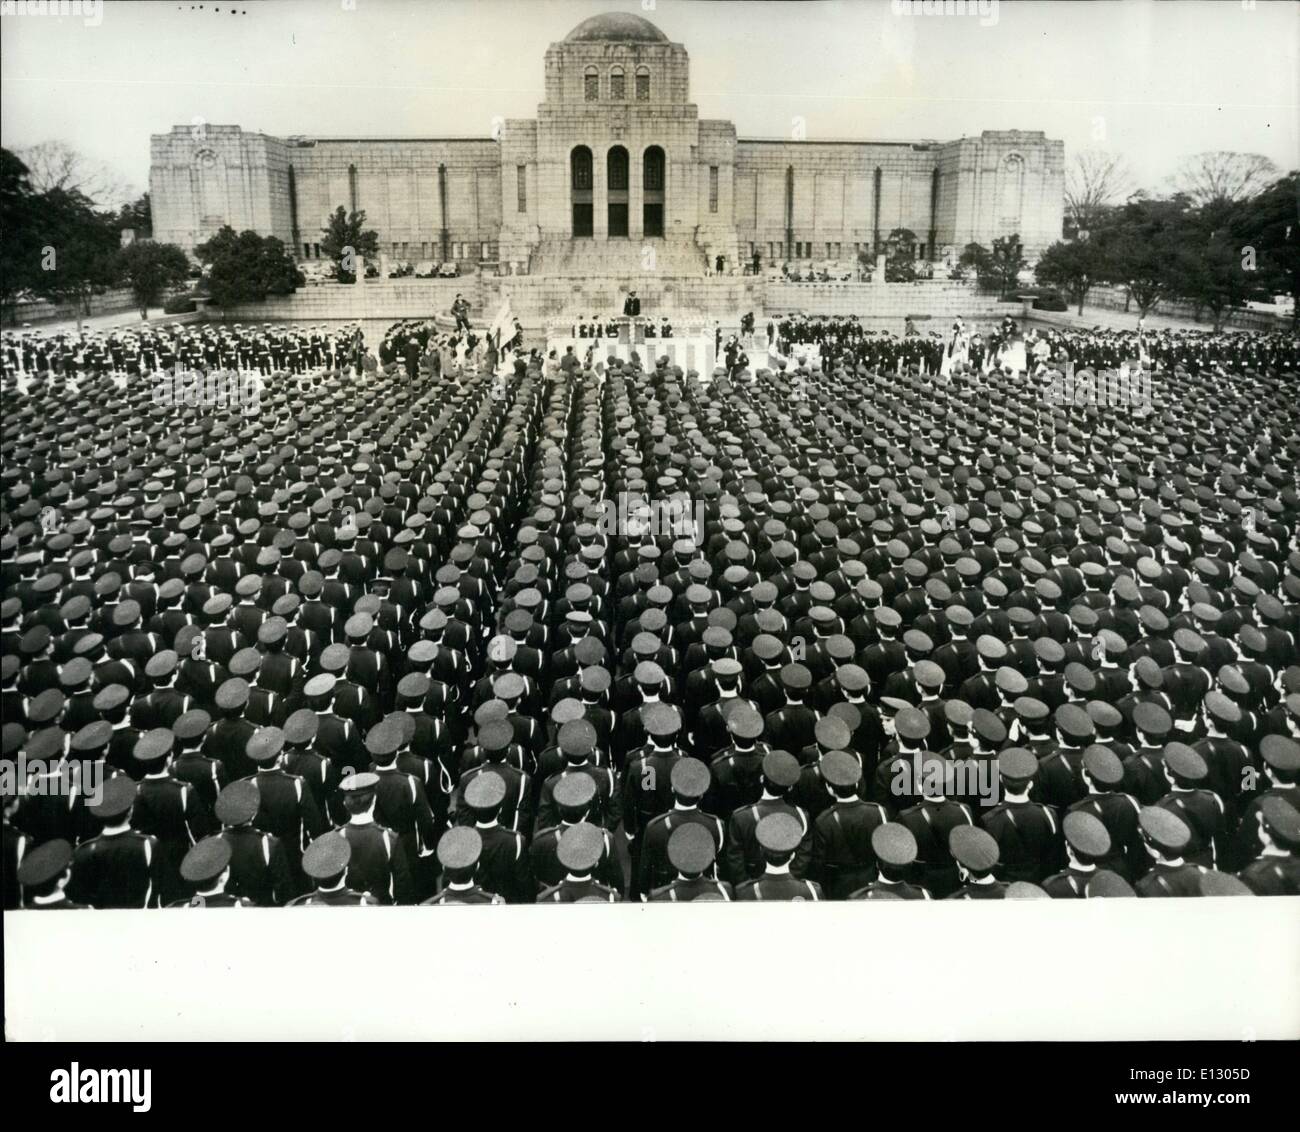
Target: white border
(1086, 969)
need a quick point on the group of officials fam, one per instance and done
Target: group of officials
(610, 633)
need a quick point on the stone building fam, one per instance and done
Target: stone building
(617, 166)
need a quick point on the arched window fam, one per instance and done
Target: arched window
(1012, 192)
(617, 85)
(654, 168)
(580, 190)
(590, 85)
(580, 162)
(643, 84)
(652, 183)
(616, 165)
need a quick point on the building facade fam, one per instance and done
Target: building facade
(616, 165)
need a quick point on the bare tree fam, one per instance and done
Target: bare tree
(56, 165)
(1221, 176)
(1095, 181)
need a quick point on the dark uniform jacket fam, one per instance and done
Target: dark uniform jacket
(779, 886)
(117, 870)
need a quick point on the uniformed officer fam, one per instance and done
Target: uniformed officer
(44, 874)
(743, 852)
(1028, 833)
(121, 868)
(459, 851)
(692, 851)
(895, 851)
(1276, 870)
(504, 865)
(779, 836)
(326, 863)
(975, 853)
(689, 782)
(1166, 838)
(931, 822)
(580, 850)
(207, 868)
(378, 863)
(1086, 844)
(843, 860)
(259, 867)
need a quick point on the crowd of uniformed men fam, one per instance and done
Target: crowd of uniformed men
(842, 339)
(381, 642)
(265, 349)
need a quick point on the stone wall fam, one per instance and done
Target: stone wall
(110, 302)
(536, 300)
(889, 303)
(1177, 311)
(203, 176)
(396, 183)
(389, 299)
(835, 199)
(1003, 182)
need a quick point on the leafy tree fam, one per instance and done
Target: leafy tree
(1007, 262)
(997, 270)
(348, 231)
(138, 215)
(150, 269)
(244, 267)
(974, 257)
(1267, 224)
(77, 250)
(1073, 266)
(19, 256)
(1211, 275)
(900, 251)
(1145, 248)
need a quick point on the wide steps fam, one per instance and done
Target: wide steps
(584, 259)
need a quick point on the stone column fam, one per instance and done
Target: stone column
(635, 192)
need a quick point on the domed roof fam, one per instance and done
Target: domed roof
(619, 26)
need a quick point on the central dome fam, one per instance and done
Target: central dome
(622, 27)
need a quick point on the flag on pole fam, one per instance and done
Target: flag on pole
(503, 324)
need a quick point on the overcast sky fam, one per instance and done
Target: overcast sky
(1152, 81)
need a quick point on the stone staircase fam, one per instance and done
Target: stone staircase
(618, 258)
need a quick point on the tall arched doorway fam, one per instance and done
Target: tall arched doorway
(616, 188)
(580, 190)
(653, 191)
